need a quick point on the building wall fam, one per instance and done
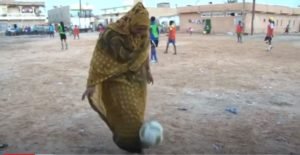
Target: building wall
(208, 8)
(219, 24)
(116, 10)
(227, 23)
(164, 5)
(84, 22)
(25, 23)
(113, 14)
(5, 24)
(159, 12)
(224, 24)
(281, 21)
(185, 24)
(239, 6)
(3, 9)
(15, 12)
(60, 14)
(3, 27)
(166, 19)
(109, 18)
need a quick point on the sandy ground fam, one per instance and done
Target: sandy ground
(41, 87)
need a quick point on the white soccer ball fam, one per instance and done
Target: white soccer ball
(151, 134)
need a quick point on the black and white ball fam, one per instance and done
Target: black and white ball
(151, 134)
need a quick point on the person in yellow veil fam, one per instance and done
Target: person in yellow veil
(118, 76)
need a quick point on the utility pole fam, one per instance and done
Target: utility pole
(80, 14)
(253, 15)
(196, 3)
(243, 13)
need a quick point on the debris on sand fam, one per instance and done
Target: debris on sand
(218, 147)
(182, 109)
(231, 110)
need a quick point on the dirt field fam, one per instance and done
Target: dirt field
(41, 87)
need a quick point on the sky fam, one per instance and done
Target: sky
(101, 4)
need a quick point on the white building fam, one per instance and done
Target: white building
(73, 15)
(163, 12)
(22, 13)
(110, 15)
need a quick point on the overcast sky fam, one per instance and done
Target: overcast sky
(100, 4)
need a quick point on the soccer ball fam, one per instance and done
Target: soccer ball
(151, 134)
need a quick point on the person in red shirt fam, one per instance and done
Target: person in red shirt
(270, 33)
(76, 32)
(190, 30)
(171, 36)
(239, 32)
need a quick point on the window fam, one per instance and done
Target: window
(218, 14)
(281, 22)
(74, 13)
(27, 10)
(294, 22)
(88, 13)
(205, 14)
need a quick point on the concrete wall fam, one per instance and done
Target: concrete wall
(116, 10)
(110, 15)
(3, 9)
(164, 22)
(185, 24)
(281, 21)
(160, 12)
(219, 24)
(272, 9)
(275, 9)
(227, 23)
(4, 24)
(13, 10)
(223, 24)
(214, 7)
(26, 23)
(60, 14)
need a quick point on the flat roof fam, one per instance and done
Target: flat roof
(117, 7)
(23, 3)
(272, 9)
